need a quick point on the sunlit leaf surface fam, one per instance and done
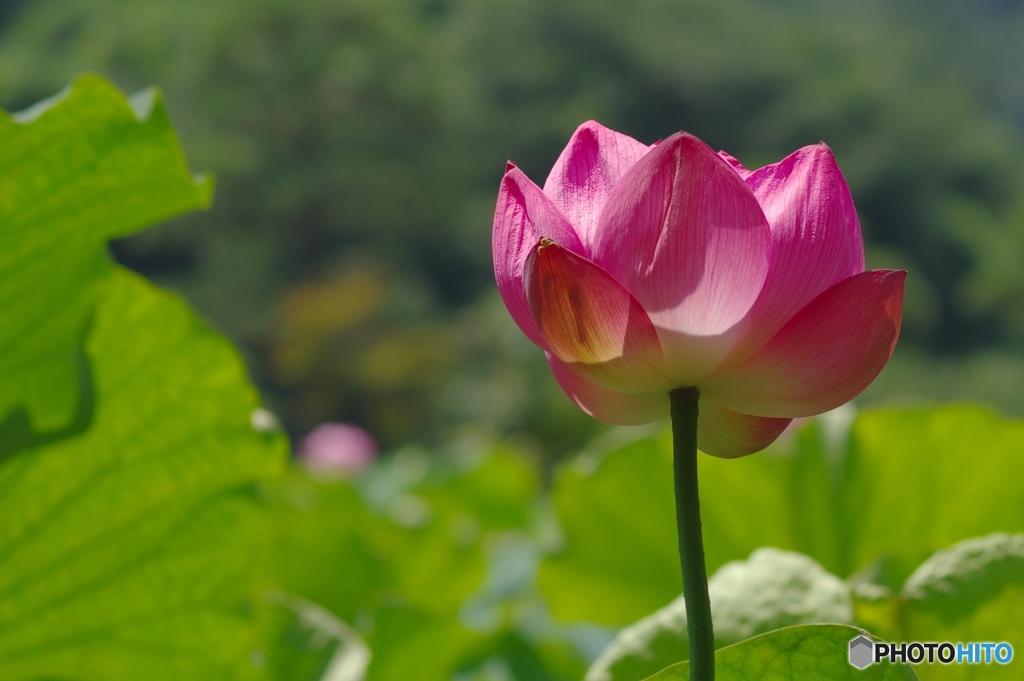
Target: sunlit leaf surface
(76, 170)
(128, 533)
(771, 590)
(812, 652)
(972, 591)
(876, 498)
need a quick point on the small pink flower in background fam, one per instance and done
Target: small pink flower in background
(337, 449)
(640, 269)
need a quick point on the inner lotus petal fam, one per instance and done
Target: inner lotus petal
(587, 170)
(816, 239)
(591, 322)
(686, 236)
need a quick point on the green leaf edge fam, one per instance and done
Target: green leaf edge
(684, 666)
(147, 107)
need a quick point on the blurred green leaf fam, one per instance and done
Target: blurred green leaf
(541, 660)
(811, 652)
(972, 591)
(304, 642)
(771, 590)
(413, 645)
(443, 558)
(399, 552)
(76, 170)
(955, 581)
(620, 559)
(322, 545)
(876, 498)
(422, 542)
(920, 480)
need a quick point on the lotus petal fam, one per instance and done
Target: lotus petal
(684, 234)
(824, 356)
(590, 322)
(589, 167)
(735, 163)
(604, 404)
(729, 434)
(816, 239)
(523, 215)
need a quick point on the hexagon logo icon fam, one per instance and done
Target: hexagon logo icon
(861, 652)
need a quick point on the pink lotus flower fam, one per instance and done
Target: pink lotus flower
(337, 449)
(639, 270)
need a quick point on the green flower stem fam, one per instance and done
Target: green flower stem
(691, 542)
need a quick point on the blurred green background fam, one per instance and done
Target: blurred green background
(358, 146)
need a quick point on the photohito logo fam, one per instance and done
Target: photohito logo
(864, 652)
(861, 652)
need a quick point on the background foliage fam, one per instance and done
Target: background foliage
(148, 524)
(358, 147)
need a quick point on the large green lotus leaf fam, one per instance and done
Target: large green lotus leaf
(973, 591)
(771, 590)
(76, 170)
(919, 480)
(540, 658)
(877, 498)
(618, 560)
(899, 484)
(810, 652)
(321, 546)
(408, 644)
(126, 551)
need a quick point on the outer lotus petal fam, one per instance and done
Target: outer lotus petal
(583, 176)
(824, 357)
(816, 239)
(610, 406)
(523, 215)
(685, 235)
(729, 434)
(591, 323)
(735, 163)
